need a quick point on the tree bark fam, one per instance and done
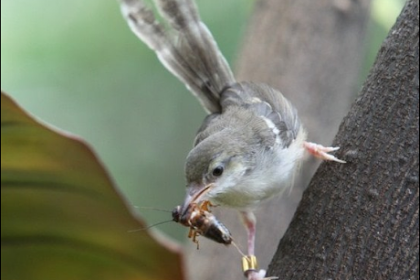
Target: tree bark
(360, 220)
(311, 51)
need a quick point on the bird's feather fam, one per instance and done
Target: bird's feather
(186, 48)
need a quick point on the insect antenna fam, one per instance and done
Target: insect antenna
(239, 249)
(150, 226)
(152, 208)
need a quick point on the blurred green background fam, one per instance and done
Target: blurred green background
(75, 65)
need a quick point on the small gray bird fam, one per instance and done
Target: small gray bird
(251, 144)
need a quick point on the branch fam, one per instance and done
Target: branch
(361, 220)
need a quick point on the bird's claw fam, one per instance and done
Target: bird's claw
(322, 152)
(259, 275)
(249, 267)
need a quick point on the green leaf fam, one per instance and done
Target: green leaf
(61, 216)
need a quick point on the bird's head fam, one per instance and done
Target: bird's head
(219, 161)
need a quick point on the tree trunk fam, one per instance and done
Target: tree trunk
(311, 51)
(360, 220)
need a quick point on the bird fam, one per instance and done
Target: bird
(251, 144)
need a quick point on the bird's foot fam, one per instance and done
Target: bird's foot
(322, 152)
(259, 275)
(249, 266)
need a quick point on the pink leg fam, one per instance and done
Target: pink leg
(250, 223)
(321, 152)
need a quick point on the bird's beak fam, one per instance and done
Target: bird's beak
(186, 203)
(195, 193)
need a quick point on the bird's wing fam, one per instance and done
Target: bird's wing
(269, 104)
(186, 48)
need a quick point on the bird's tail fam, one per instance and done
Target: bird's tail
(186, 47)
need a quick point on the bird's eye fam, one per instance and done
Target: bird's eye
(218, 171)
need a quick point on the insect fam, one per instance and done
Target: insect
(200, 220)
(198, 217)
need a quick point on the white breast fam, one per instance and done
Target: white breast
(273, 175)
